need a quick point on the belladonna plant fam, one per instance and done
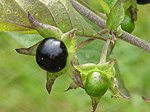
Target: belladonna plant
(56, 54)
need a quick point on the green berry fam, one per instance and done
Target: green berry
(128, 24)
(96, 84)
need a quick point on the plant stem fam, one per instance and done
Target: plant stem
(102, 15)
(102, 23)
(104, 52)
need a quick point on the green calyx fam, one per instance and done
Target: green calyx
(96, 78)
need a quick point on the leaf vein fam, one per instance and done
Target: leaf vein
(69, 18)
(51, 15)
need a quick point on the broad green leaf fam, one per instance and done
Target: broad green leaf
(104, 6)
(115, 16)
(59, 13)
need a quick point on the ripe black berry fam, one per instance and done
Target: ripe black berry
(143, 1)
(51, 55)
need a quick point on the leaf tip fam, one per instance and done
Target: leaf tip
(48, 88)
(32, 20)
(30, 15)
(95, 101)
(21, 50)
(17, 50)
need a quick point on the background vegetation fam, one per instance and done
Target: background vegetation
(22, 82)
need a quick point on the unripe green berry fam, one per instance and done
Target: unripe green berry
(128, 24)
(96, 84)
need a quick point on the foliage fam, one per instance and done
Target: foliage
(21, 89)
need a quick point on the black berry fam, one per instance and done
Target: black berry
(51, 55)
(143, 1)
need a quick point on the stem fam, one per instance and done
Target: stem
(102, 23)
(88, 14)
(103, 16)
(104, 51)
(135, 41)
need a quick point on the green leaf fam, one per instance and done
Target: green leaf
(6, 26)
(104, 6)
(115, 16)
(59, 13)
(50, 81)
(26, 40)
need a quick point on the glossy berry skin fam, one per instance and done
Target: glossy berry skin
(96, 84)
(143, 1)
(51, 55)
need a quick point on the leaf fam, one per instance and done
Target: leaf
(95, 101)
(26, 40)
(5, 26)
(115, 16)
(104, 6)
(59, 13)
(50, 81)
(28, 51)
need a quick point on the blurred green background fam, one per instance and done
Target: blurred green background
(22, 82)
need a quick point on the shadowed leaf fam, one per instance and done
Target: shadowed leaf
(59, 13)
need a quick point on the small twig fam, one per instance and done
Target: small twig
(102, 23)
(135, 41)
(104, 51)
